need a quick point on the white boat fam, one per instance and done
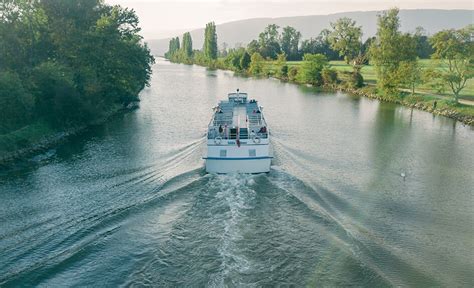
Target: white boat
(238, 138)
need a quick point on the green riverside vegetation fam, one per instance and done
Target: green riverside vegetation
(434, 73)
(64, 65)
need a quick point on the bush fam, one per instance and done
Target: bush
(357, 80)
(293, 73)
(329, 76)
(311, 68)
(284, 71)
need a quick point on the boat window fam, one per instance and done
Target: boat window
(223, 153)
(252, 153)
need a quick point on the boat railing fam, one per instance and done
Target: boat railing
(214, 133)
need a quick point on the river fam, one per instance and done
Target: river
(128, 203)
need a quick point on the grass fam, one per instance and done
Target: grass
(370, 77)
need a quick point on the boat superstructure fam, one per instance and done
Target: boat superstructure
(238, 137)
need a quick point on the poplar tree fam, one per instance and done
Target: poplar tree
(187, 45)
(210, 41)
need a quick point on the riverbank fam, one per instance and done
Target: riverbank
(40, 136)
(442, 107)
(422, 101)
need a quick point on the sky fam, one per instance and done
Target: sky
(165, 18)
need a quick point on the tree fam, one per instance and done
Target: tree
(233, 60)
(268, 42)
(173, 47)
(245, 61)
(187, 45)
(423, 46)
(455, 49)
(320, 45)
(256, 64)
(210, 41)
(75, 60)
(290, 39)
(346, 38)
(410, 74)
(389, 49)
(311, 68)
(16, 102)
(280, 63)
(253, 47)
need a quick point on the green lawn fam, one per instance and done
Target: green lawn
(368, 72)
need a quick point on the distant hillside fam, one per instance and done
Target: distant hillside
(243, 31)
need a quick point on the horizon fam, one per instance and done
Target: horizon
(176, 18)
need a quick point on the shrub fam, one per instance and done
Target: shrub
(329, 76)
(293, 73)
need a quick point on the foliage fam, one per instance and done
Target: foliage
(290, 39)
(311, 68)
(280, 62)
(423, 46)
(74, 59)
(253, 47)
(256, 64)
(234, 59)
(16, 102)
(346, 38)
(173, 47)
(268, 40)
(245, 61)
(389, 49)
(293, 73)
(455, 48)
(329, 76)
(284, 72)
(210, 41)
(320, 45)
(410, 74)
(187, 45)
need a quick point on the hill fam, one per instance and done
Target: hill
(242, 32)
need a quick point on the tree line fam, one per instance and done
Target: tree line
(68, 63)
(395, 55)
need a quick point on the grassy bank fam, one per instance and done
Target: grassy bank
(370, 77)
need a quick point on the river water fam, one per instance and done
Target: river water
(129, 203)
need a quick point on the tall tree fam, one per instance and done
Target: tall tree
(268, 41)
(346, 38)
(187, 45)
(290, 39)
(320, 45)
(423, 46)
(210, 41)
(389, 49)
(456, 50)
(253, 47)
(173, 47)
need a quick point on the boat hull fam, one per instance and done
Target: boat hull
(238, 165)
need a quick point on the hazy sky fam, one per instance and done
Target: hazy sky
(164, 18)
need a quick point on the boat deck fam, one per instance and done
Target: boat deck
(237, 117)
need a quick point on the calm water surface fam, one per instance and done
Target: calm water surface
(128, 203)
